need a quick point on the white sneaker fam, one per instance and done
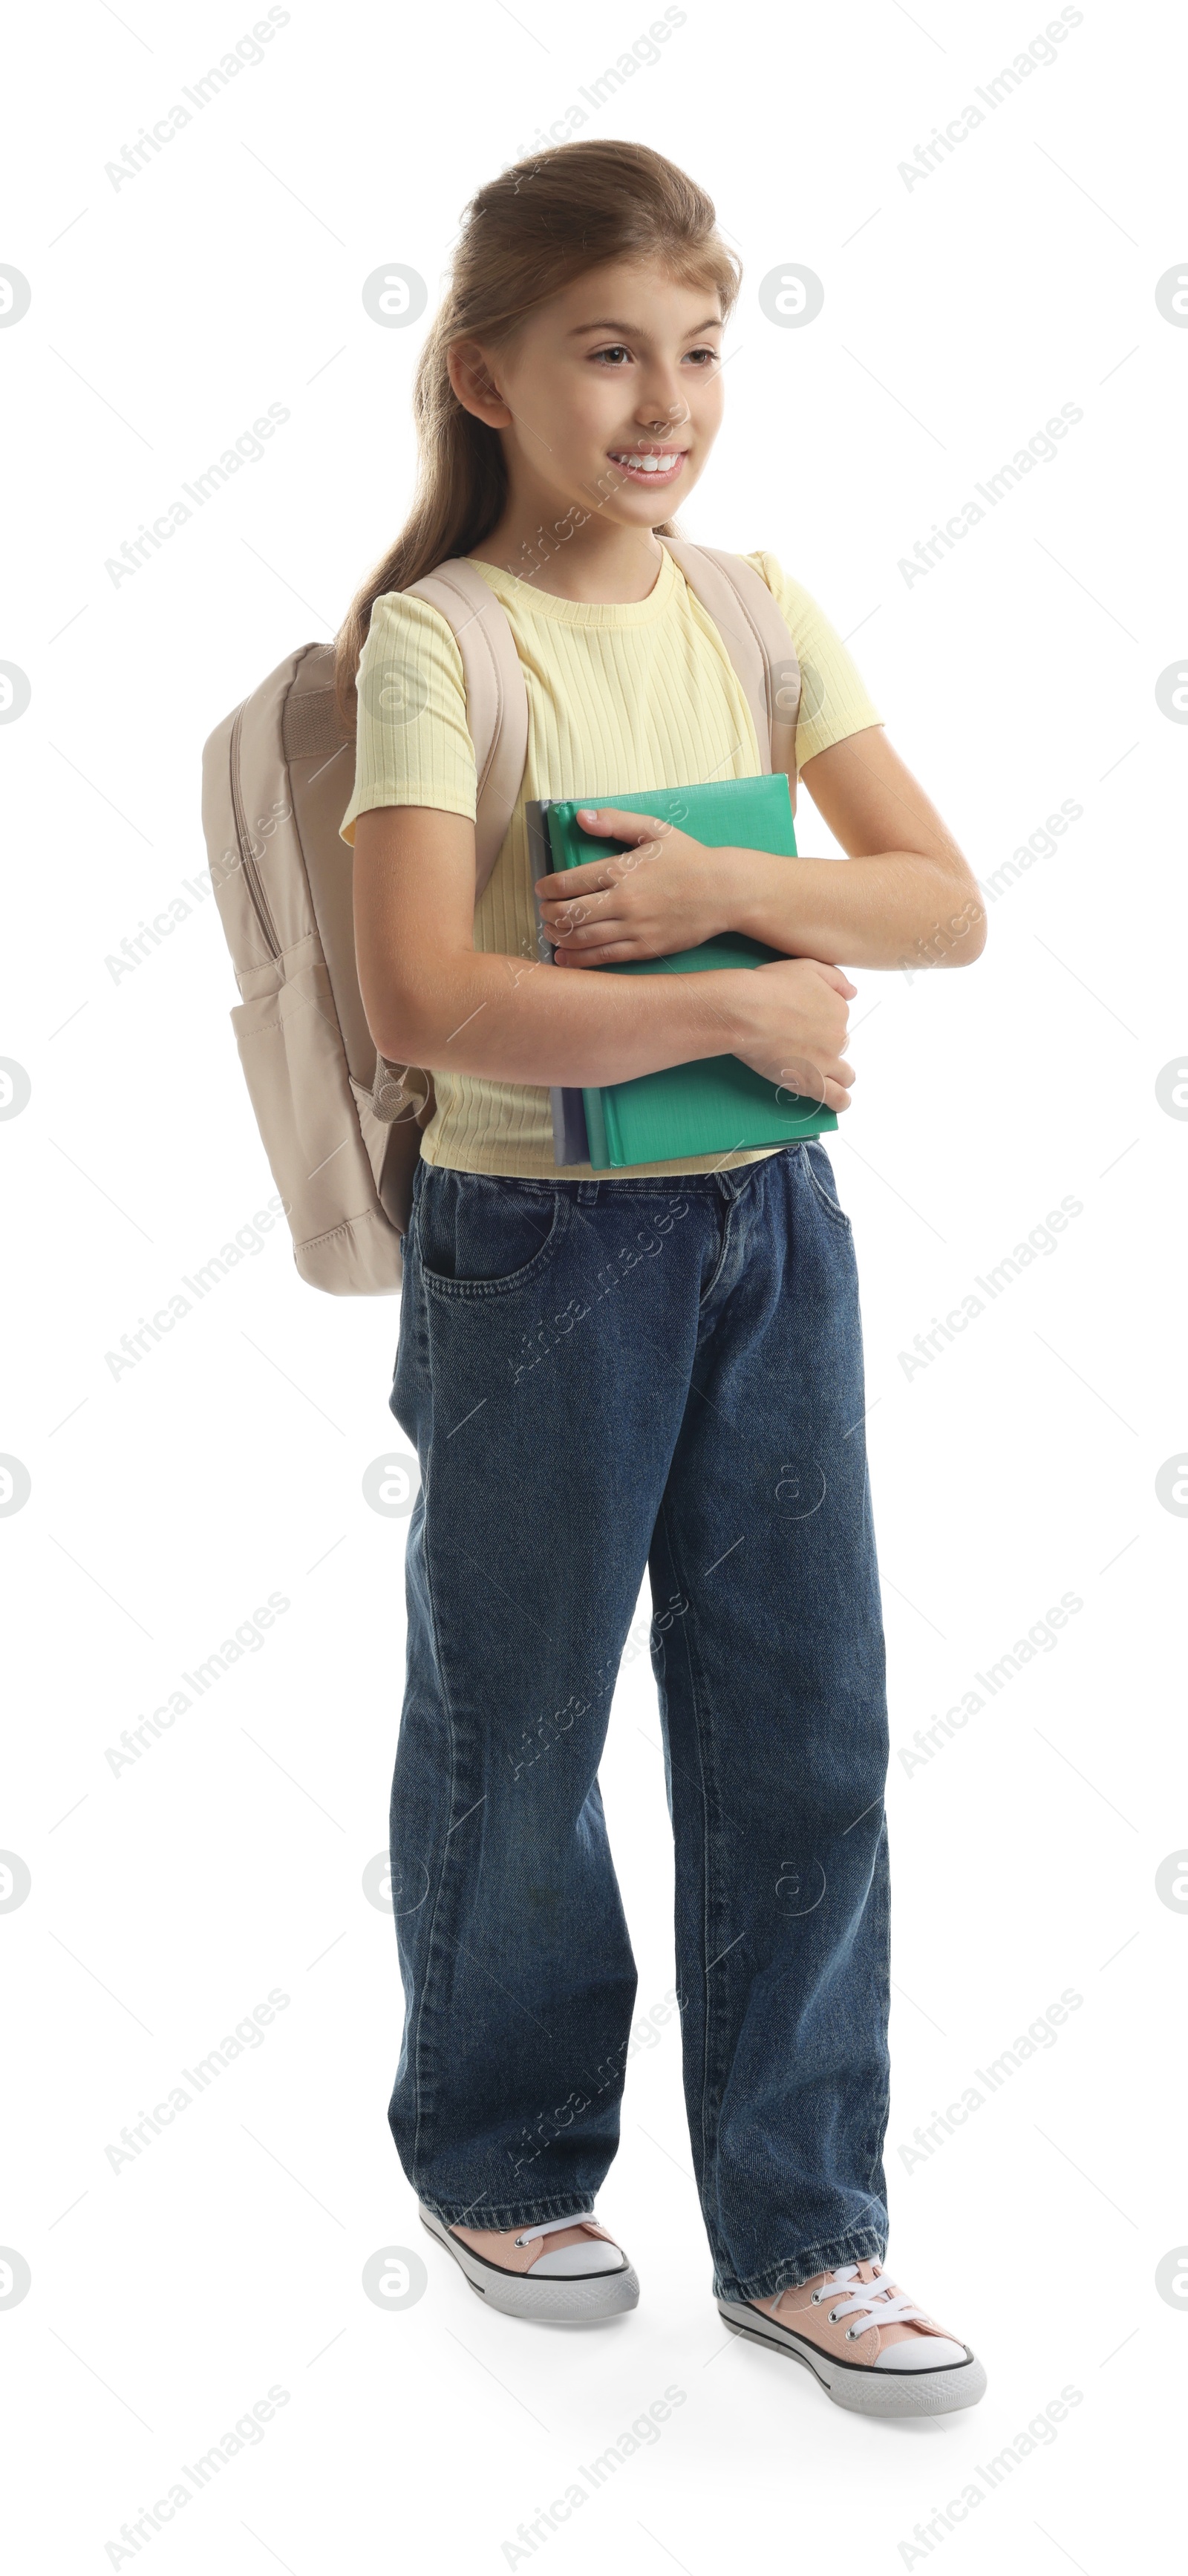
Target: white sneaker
(580, 2276)
(870, 2346)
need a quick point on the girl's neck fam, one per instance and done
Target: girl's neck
(598, 564)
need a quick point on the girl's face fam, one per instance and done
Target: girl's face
(624, 366)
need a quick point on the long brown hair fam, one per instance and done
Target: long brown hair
(526, 236)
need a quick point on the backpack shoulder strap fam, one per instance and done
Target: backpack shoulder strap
(496, 698)
(756, 637)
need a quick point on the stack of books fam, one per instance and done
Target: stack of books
(717, 1105)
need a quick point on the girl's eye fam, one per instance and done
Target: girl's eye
(710, 357)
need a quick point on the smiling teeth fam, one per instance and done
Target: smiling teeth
(647, 464)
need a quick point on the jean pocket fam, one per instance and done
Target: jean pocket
(479, 1236)
(820, 1172)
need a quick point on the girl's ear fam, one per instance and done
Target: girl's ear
(471, 379)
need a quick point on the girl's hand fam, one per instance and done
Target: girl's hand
(789, 1024)
(664, 893)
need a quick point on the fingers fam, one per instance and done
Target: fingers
(828, 1083)
(593, 877)
(823, 1089)
(837, 977)
(619, 825)
(580, 932)
(617, 954)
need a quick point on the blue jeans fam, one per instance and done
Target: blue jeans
(599, 1376)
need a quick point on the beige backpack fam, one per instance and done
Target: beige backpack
(340, 1125)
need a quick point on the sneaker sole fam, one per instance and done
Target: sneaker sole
(579, 2301)
(856, 2384)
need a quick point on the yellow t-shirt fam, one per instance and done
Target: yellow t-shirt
(622, 696)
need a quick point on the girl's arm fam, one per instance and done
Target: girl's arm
(432, 999)
(909, 898)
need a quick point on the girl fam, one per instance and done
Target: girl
(661, 1370)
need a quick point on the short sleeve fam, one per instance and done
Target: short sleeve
(833, 701)
(412, 746)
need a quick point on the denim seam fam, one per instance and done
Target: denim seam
(514, 2213)
(855, 2245)
(830, 1206)
(881, 2114)
(709, 2153)
(720, 1264)
(429, 1587)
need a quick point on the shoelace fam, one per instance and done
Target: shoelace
(872, 2301)
(550, 2226)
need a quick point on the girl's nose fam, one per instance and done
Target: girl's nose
(656, 415)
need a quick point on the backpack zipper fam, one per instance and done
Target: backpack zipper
(251, 874)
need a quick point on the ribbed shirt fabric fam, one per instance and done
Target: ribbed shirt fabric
(622, 696)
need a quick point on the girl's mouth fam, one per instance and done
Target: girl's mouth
(656, 465)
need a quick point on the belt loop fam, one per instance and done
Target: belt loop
(587, 1193)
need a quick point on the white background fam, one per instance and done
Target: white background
(168, 1899)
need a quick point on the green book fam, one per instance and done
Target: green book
(718, 1104)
